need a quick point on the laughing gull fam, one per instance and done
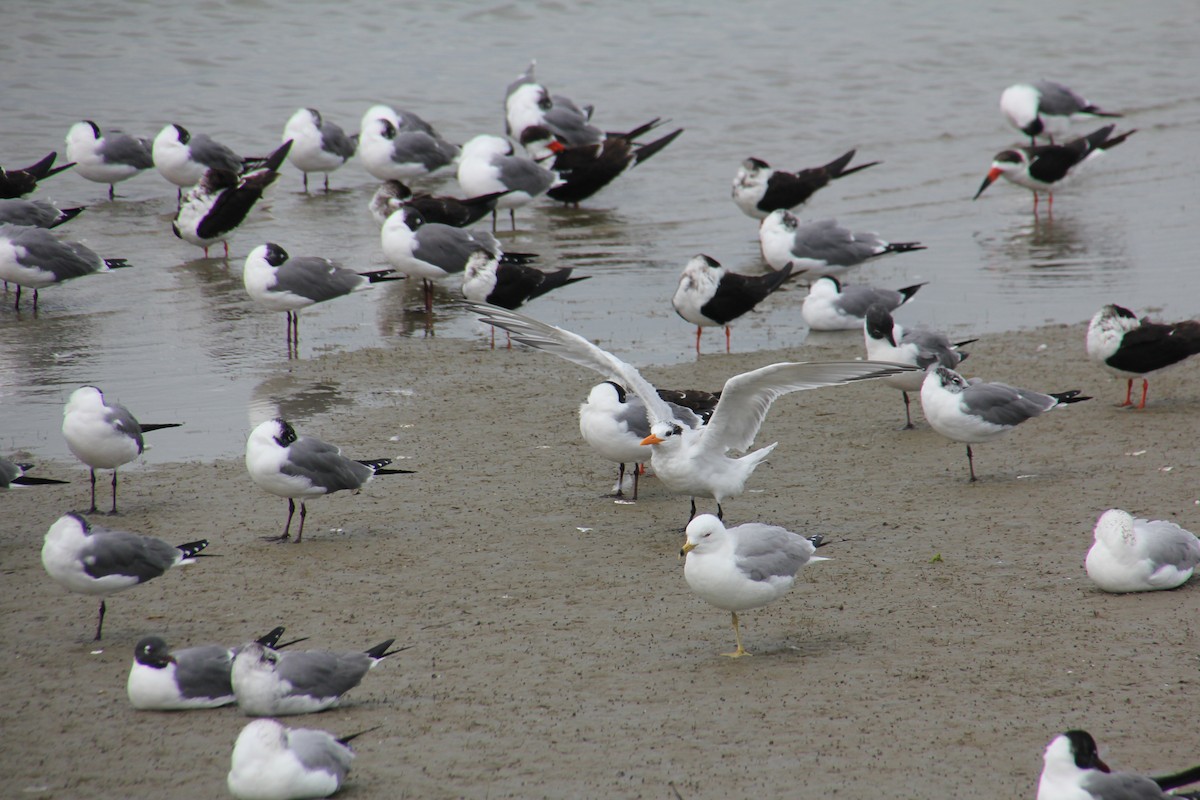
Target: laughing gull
(1045, 108)
(399, 145)
(1135, 348)
(35, 213)
(103, 435)
(974, 411)
(710, 296)
(586, 169)
(429, 250)
(109, 158)
(221, 201)
(291, 466)
(270, 683)
(20, 182)
(35, 258)
(12, 474)
(833, 306)
(162, 679)
(693, 462)
(487, 280)
(744, 567)
(758, 189)
(490, 164)
(822, 247)
(272, 762)
(88, 559)
(443, 209)
(1072, 770)
(183, 158)
(317, 144)
(1140, 555)
(887, 341)
(1042, 168)
(281, 283)
(528, 103)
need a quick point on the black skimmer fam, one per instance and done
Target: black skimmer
(1134, 348)
(758, 190)
(20, 182)
(710, 296)
(443, 209)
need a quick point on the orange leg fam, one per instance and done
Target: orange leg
(726, 338)
(1128, 394)
(1141, 405)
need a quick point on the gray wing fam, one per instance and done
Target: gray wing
(567, 121)
(825, 240)
(203, 671)
(37, 213)
(932, 348)
(318, 279)
(1001, 404)
(633, 414)
(318, 750)
(1058, 99)
(334, 140)
(109, 552)
(445, 246)
(1165, 543)
(324, 465)
(524, 175)
(120, 418)
(214, 155)
(409, 121)
(855, 300)
(768, 551)
(65, 260)
(125, 149)
(318, 673)
(430, 151)
(1121, 786)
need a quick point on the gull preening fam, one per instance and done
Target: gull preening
(107, 158)
(1140, 555)
(1045, 108)
(396, 144)
(758, 189)
(1134, 348)
(318, 145)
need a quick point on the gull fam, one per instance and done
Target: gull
(20, 182)
(822, 247)
(444, 209)
(693, 462)
(399, 145)
(1132, 348)
(183, 158)
(974, 411)
(291, 466)
(888, 341)
(109, 158)
(272, 762)
(13, 474)
(281, 283)
(35, 213)
(1044, 107)
(758, 189)
(490, 164)
(269, 683)
(162, 679)
(1072, 770)
(710, 296)
(36, 258)
(744, 567)
(104, 435)
(213, 208)
(528, 103)
(317, 144)
(1042, 168)
(833, 306)
(89, 559)
(1140, 555)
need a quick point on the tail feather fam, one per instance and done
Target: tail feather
(42, 169)
(381, 650)
(29, 480)
(347, 739)
(837, 167)
(192, 549)
(647, 150)
(963, 343)
(271, 637)
(1068, 397)
(379, 275)
(158, 426)
(1098, 112)
(395, 472)
(68, 214)
(1167, 782)
(1108, 144)
(904, 247)
(640, 130)
(909, 291)
(116, 263)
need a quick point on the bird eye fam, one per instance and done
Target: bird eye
(676, 430)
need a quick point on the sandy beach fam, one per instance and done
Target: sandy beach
(556, 650)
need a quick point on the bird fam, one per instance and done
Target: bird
(822, 247)
(399, 145)
(758, 189)
(282, 283)
(490, 164)
(273, 762)
(183, 158)
(213, 208)
(1042, 168)
(317, 144)
(13, 473)
(104, 435)
(508, 285)
(528, 103)
(586, 169)
(270, 683)
(974, 411)
(887, 341)
(688, 461)
(36, 258)
(1140, 555)
(1131, 348)
(89, 559)
(35, 213)
(20, 182)
(162, 679)
(744, 567)
(831, 305)
(708, 295)
(1072, 770)
(110, 158)
(1044, 108)
(444, 209)
(291, 466)
(429, 250)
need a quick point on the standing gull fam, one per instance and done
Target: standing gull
(758, 189)
(822, 247)
(183, 158)
(1045, 108)
(831, 305)
(490, 164)
(35, 213)
(399, 145)
(109, 158)
(272, 762)
(89, 559)
(317, 144)
(528, 103)
(710, 296)
(36, 258)
(1134, 348)
(1140, 555)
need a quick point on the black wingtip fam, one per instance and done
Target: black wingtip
(29, 480)
(158, 426)
(909, 291)
(192, 549)
(1071, 396)
(381, 650)
(347, 739)
(904, 247)
(116, 263)
(1187, 776)
(647, 150)
(271, 637)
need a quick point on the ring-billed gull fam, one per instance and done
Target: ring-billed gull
(1140, 555)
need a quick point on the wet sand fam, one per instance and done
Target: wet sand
(556, 649)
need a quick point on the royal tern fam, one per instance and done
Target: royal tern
(758, 189)
(831, 305)
(822, 247)
(710, 296)
(1135, 348)
(1140, 555)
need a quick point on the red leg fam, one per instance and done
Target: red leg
(726, 338)
(1128, 394)
(698, 329)
(1145, 391)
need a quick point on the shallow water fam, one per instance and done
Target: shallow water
(176, 338)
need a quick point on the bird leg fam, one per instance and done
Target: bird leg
(111, 195)
(303, 514)
(692, 516)
(620, 492)
(93, 508)
(1145, 391)
(512, 217)
(306, 183)
(726, 338)
(287, 526)
(326, 183)
(17, 305)
(971, 463)
(737, 635)
(1128, 394)
(637, 472)
(113, 510)
(698, 329)
(908, 425)
(427, 285)
(100, 622)
(226, 243)
(720, 512)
